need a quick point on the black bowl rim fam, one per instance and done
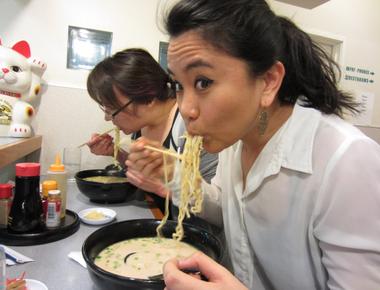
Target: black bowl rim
(102, 272)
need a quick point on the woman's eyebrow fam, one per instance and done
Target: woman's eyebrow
(194, 64)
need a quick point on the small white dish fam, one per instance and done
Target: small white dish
(106, 215)
(35, 285)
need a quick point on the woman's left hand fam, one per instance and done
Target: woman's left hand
(218, 276)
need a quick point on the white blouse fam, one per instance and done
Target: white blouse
(309, 216)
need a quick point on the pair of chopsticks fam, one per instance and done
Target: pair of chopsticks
(129, 142)
(166, 152)
(106, 132)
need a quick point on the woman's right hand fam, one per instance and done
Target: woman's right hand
(218, 277)
(101, 144)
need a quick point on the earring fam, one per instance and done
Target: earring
(263, 122)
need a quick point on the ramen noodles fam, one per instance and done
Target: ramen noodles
(116, 148)
(191, 195)
(141, 257)
(106, 179)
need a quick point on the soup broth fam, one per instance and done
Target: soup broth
(141, 257)
(106, 179)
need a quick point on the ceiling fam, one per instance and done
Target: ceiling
(309, 4)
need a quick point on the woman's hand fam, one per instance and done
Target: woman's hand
(145, 167)
(146, 183)
(101, 144)
(218, 276)
(147, 162)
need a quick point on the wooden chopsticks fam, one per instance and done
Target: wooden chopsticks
(106, 132)
(167, 152)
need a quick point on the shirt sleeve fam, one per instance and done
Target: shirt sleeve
(347, 222)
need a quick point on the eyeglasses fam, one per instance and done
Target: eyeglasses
(113, 115)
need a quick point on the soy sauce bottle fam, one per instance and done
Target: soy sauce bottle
(26, 211)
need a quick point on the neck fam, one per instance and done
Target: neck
(162, 121)
(256, 140)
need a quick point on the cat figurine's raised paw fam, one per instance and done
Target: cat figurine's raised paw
(20, 77)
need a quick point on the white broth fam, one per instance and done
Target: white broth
(141, 257)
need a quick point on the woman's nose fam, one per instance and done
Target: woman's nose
(188, 106)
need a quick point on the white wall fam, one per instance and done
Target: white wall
(44, 24)
(67, 116)
(355, 22)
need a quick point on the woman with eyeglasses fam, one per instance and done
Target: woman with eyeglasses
(136, 95)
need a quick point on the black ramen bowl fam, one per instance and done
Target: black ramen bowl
(104, 192)
(117, 232)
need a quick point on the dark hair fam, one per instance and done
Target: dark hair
(134, 72)
(249, 30)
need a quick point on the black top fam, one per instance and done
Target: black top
(168, 143)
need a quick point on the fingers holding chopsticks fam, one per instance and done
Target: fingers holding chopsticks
(143, 160)
(101, 144)
(148, 161)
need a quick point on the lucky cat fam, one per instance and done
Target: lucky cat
(20, 78)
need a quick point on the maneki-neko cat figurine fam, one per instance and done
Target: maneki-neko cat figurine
(20, 82)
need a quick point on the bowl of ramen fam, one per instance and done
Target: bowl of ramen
(102, 186)
(129, 255)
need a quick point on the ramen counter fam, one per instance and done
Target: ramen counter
(52, 265)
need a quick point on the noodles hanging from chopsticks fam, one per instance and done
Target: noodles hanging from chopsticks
(190, 195)
(116, 148)
(190, 182)
(167, 198)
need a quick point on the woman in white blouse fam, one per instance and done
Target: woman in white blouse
(297, 188)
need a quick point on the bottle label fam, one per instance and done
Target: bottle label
(53, 215)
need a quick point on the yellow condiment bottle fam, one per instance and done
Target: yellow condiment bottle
(58, 173)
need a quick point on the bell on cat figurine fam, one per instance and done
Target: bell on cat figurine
(20, 78)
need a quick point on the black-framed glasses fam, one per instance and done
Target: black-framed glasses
(113, 115)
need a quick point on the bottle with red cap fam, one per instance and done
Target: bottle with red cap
(5, 203)
(26, 212)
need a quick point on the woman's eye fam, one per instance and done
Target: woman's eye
(203, 83)
(15, 68)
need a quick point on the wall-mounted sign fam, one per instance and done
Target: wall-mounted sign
(360, 75)
(366, 100)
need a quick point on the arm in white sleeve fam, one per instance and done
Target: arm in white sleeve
(347, 219)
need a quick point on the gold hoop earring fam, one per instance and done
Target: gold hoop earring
(263, 122)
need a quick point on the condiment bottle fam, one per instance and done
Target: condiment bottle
(46, 186)
(26, 209)
(5, 203)
(53, 215)
(58, 173)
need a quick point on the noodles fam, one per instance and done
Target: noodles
(167, 198)
(116, 148)
(190, 184)
(106, 179)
